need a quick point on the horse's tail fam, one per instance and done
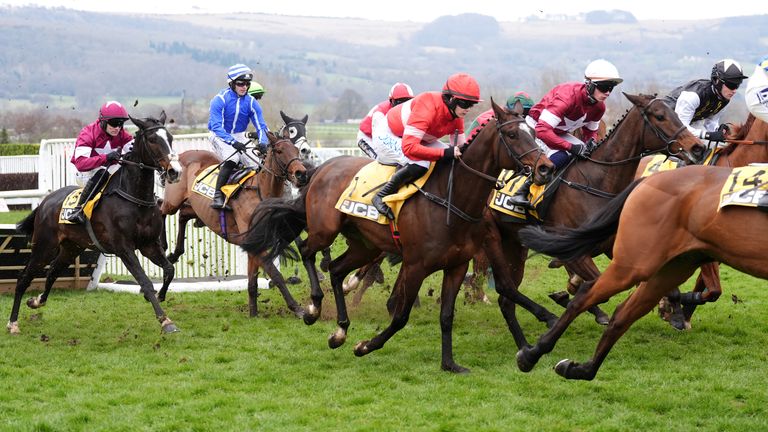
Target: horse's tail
(567, 244)
(275, 224)
(27, 225)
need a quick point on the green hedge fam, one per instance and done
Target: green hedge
(19, 149)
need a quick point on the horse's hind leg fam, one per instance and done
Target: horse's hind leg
(68, 252)
(134, 267)
(316, 293)
(707, 289)
(277, 278)
(355, 256)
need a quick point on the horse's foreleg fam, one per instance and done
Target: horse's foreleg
(708, 288)
(178, 250)
(134, 267)
(407, 288)
(277, 278)
(68, 252)
(372, 275)
(156, 254)
(581, 270)
(452, 279)
(316, 293)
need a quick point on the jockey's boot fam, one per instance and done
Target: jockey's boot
(218, 197)
(520, 198)
(94, 183)
(402, 176)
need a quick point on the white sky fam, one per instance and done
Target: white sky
(419, 10)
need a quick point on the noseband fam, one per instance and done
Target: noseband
(282, 167)
(668, 141)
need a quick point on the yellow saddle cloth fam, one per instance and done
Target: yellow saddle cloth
(502, 198)
(70, 202)
(745, 186)
(356, 198)
(662, 162)
(205, 183)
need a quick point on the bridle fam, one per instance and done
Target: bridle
(283, 173)
(141, 145)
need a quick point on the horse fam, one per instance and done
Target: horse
(665, 227)
(429, 240)
(126, 218)
(281, 163)
(748, 143)
(650, 126)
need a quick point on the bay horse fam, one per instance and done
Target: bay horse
(126, 219)
(429, 239)
(665, 227)
(282, 163)
(649, 127)
(748, 143)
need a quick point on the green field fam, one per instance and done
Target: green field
(95, 361)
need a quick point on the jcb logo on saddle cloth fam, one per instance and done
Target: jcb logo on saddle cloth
(502, 199)
(745, 186)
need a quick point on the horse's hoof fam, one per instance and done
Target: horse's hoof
(299, 312)
(293, 280)
(602, 319)
(361, 348)
(454, 368)
(312, 315)
(337, 339)
(13, 328)
(678, 322)
(523, 363)
(561, 368)
(170, 328)
(34, 302)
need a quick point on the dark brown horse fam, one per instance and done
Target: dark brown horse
(665, 227)
(428, 241)
(748, 144)
(126, 219)
(650, 126)
(282, 163)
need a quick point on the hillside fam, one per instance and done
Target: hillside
(88, 56)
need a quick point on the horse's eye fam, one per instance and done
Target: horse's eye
(659, 117)
(512, 135)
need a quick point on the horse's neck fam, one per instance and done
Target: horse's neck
(623, 144)
(136, 181)
(745, 154)
(269, 184)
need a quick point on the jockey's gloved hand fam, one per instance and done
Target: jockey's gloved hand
(724, 128)
(591, 146)
(715, 136)
(113, 156)
(238, 146)
(252, 135)
(262, 148)
(579, 150)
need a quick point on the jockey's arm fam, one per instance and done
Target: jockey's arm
(686, 106)
(257, 118)
(546, 132)
(216, 120)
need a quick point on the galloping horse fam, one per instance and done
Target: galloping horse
(749, 143)
(427, 241)
(665, 227)
(126, 219)
(281, 163)
(650, 126)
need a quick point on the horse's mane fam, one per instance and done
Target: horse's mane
(624, 116)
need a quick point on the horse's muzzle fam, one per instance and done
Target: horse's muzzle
(173, 176)
(301, 178)
(543, 174)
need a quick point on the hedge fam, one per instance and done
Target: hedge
(19, 149)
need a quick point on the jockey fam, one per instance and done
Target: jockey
(399, 93)
(757, 91)
(231, 111)
(566, 108)
(97, 151)
(409, 136)
(521, 96)
(256, 90)
(698, 103)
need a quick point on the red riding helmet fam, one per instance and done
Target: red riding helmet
(112, 110)
(400, 91)
(462, 86)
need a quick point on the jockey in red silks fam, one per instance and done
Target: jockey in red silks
(410, 135)
(399, 93)
(566, 108)
(97, 151)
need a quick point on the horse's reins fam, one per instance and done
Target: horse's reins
(141, 138)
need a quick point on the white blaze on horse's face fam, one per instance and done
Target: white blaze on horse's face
(172, 156)
(524, 127)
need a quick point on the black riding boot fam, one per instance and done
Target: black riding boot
(520, 198)
(218, 197)
(94, 183)
(402, 176)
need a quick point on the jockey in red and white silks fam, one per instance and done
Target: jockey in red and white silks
(398, 94)
(412, 131)
(756, 96)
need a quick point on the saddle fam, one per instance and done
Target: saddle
(70, 202)
(205, 182)
(539, 197)
(356, 198)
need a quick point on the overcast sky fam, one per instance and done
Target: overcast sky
(416, 10)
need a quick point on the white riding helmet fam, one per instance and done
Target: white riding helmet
(602, 70)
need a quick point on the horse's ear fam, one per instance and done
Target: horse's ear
(272, 137)
(636, 100)
(305, 119)
(498, 111)
(138, 122)
(162, 117)
(286, 119)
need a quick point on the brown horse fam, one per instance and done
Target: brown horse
(430, 239)
(665, 227)
(650, 126)
(281, 163)
(748, 143)
(126, 219)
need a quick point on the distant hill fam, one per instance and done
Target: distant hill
(91, 55)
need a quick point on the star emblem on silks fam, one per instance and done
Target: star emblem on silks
(572, 125)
